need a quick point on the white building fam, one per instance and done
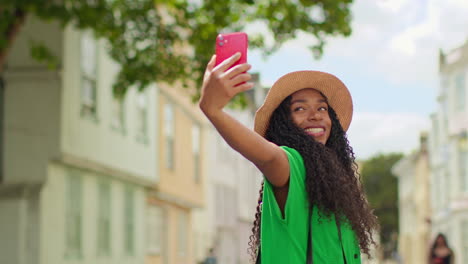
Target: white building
(449, 153)
(232, 192)
(76, 162)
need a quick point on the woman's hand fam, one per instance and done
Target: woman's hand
(221, 84)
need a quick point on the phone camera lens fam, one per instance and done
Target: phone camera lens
(221, 43)
(221, 38)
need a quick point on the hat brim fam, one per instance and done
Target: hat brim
(337, 94)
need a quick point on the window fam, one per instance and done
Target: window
(442, 192)
(435, 132)
(88, 59)
(155, 234)
(182, 234)
(104, 219)
(169, 129)
(73, 215)
(446, 186)
(142, 118)
(462, 162)
(118, 114)
(196, 151)
(460, 92)
(129, 221)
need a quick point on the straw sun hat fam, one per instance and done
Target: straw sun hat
(335, 91)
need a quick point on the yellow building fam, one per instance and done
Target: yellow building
(181, 185)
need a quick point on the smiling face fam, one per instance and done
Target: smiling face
(309, 111)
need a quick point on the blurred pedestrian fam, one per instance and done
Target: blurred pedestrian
(440, 252)
(311, 204)
(211, 258)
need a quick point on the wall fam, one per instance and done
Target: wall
(53, 221)
(95, 139)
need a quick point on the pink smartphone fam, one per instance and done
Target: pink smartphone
(230, 43)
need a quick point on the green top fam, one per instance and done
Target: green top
(284, 240)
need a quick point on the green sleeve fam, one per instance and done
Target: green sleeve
(296, 201)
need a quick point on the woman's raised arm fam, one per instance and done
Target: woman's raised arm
(220, 85)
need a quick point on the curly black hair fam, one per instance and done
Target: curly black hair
(332, 180)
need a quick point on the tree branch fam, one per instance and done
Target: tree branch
(11, 33)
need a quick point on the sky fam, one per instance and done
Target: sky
(389, 63)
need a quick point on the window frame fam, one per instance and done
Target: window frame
(118, 121)
(104, 219)
(142, 105)
(462, 159)
(88, 77)
(74, 216)
(169, 134)
(196, 151)
(129, 221)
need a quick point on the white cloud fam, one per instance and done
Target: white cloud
(374, 133)
(406, 42)
(398, 39)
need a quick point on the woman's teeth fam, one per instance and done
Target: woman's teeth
(314, 130)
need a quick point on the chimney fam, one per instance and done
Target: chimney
(423, 142)
(441, 59)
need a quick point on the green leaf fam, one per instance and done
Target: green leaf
(43, 54)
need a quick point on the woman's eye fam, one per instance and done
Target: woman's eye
(323, 108)
(298, 108)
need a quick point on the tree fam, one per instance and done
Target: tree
(144, 35)
(381, 188)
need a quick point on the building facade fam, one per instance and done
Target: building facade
(232, 188)
(77, 163)
(180, 189)
(413, 174)
(449, 152)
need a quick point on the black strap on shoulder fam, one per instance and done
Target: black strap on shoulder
(338, 226)
(310, 258)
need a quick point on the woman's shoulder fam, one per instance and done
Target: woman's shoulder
(294, 157)
(291, 151)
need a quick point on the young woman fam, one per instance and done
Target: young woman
(440, 251)
(311, 207)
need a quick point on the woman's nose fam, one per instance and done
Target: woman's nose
(315, 115)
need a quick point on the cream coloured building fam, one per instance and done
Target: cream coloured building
(77, 163)
(413, 174)
(449, 152)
